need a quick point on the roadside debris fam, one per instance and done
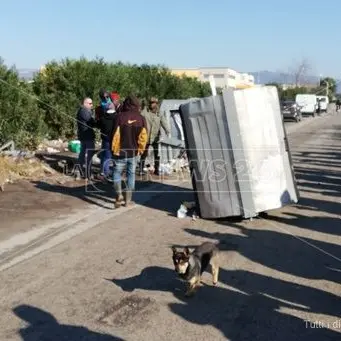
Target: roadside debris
(189, 204)
(182, 212)
(174, 166)
(16, 166)
(22, 168)
(179, 163)
(96, 160)
(194, 216)
(17, 154)
(186, 208)
(166, 169)
(53, 146)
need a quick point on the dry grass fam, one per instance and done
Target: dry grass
(13, 169)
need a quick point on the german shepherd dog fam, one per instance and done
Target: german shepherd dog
(190, 265)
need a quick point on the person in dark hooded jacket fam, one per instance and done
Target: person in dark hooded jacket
(105, 114)
(128, 143)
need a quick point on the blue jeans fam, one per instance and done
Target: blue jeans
(106, 156)
(86, 154)
(119, 165)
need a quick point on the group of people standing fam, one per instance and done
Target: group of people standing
(127, 130)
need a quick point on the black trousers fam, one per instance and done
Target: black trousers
(155, 146)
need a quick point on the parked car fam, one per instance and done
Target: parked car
(308, 103)
(290, 110)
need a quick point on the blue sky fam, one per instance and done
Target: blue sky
(244, 35)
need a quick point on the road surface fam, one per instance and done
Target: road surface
(109, 276)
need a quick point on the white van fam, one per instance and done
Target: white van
(324, 101)
(307, 103)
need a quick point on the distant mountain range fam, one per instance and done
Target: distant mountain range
(264, 77)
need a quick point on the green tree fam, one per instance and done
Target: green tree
(290, 93)
(21, 120)
(328, 87)
(60, 88)
(62, 85)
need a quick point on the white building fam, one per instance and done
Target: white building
(224, 77)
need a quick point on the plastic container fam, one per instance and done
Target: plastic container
(74, 146)
(182, 212)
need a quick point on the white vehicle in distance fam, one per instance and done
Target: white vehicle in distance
(324, 101)
(308, 103)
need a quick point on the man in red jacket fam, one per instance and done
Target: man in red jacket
(128, 142)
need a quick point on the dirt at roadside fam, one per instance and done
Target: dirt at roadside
(23, 205)
(26, 204)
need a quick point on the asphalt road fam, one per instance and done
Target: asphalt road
(110, 277)
(38, 215)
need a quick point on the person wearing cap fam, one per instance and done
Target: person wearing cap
(115, 98)
(154, 123)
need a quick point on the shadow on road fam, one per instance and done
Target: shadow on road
(322, 181)
(42, 326)
(154, 278)
(298, 256)
(317, 170)
(260, 309)
(325, 206)
(103, 195)
(327, 225)
(99, 195)
(252, 309)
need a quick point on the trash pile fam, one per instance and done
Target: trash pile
(22, 167)
(180, 165)
(53, 146)
(173, 166)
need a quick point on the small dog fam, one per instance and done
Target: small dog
(190, 266)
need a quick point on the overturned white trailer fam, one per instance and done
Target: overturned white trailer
(238, 153)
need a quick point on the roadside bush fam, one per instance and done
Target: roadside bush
(47, 107)
(62, 85)
(21, 119)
